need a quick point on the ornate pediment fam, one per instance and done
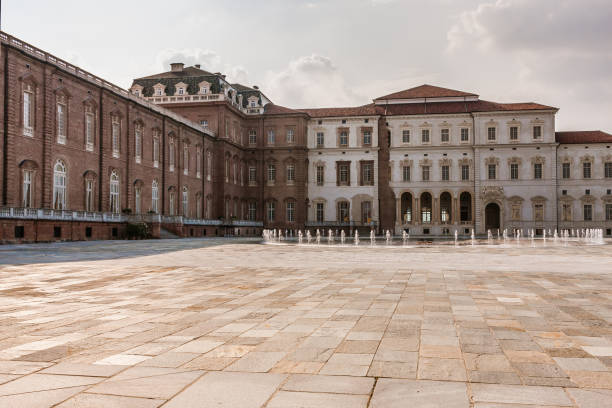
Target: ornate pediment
(492, 192)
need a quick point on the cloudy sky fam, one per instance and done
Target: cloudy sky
(312, 53)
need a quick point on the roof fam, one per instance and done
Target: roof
(425, 91)
(458, 107)
(365, 110)
(186, 72)
(272, 109)
(583, 136)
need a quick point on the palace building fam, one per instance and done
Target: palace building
(189, 153)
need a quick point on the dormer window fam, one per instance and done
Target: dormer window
(203, 90)
(253, 104)
(159, 90)
(181, 89)
(204, 87)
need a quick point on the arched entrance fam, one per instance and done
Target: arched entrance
(446, 208)
(492, 216)
(406, 203)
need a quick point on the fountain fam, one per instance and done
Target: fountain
(489, 237)
(404, 237)
(342, 237)
(473, 237)
(356, 237)
(456, 236)
(372, 238)
(318, 237)
(300, 237)
(330, 237)
(308, 237)
(388, 237)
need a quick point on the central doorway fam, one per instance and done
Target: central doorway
(492, 216)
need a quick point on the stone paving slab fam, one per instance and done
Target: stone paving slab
(226, 323)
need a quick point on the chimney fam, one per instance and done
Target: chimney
(197, 66)
(177, 66)
(255, 87)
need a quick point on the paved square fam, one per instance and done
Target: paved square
(203, 323)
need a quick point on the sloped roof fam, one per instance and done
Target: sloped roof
(425, 91)
(365, 110)
(583, 136)
(272, 109)
(458, 107)
(186, 72)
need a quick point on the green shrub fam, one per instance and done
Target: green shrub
(138, 230)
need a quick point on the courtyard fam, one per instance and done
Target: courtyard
(232, 323)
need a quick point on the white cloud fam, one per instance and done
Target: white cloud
(310, 81)
(554, 51)
(209, 61)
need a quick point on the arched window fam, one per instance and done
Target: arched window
(59, 186)
(155, 197)
(114, 192)
(171, 202)
(185, 202)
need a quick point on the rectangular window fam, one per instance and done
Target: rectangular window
(198, 163)
(290, 136)
(343, 138)
(539, 212)
(27, 189)
(537, 171)
(271, 173)
(566, 212)
(608, 212)
(465, 134)
(608, 170)
(61, 123)
(155, 152)
(137, 144)
(252, 211)
(367, 137)
(320, 175)
(186, 162)
(514, 171)
(586, 170)
(203, 122)
(28, 125)
(492, 171)
(252, 175)
(89, 131)
(406, 173)
(115, 138)
(513, 132)
(366, 212)
(343, 211)
(425, 135)
(445, 173)
(291, 211)
(343, 175)
(566, 170)
(425, 173)
(271, 210)
(465, 172)
(537, 132)
(445, 135)
(320, 212)
(491, 134)
(271, 137)
(290, 173)
(320, 139)
(405, 136)
(367, 174)
(171, 155)
(588, 212)
(89, 191)
(252, 137)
